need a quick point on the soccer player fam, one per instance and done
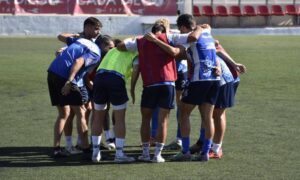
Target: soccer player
(66, 88)
(181, 67)
(91, 30)
(228, 86)
(109, 87)
(202, 90)
(158, 71)
(106, 43)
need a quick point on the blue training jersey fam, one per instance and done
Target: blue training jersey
(181, 66)
(77, 48)
(226, 76)
(203, 57)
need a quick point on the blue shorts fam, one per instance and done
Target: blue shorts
(109, 88)
(235, 86)
(200, 92)
(158, 96)
(76, 97)
(226, 96)
(181, 81)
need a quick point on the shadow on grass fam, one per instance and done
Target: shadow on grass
(43, 157)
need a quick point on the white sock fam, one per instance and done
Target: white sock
(179, 141)
(119, 146)
(112, 133)
(96, 143)
(216, 147)
(158, 149)
(106, 135)
(146, 148)
(68, 141)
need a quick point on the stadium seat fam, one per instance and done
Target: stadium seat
(262, 10)
(249, 11)
(196, 11)
(221, 11)
(208, 11)
(235, 11)
(276, 10)
(291, 10)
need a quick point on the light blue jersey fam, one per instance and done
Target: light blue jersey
(181, 66)
(77, 48)
(226, 76)
(203, 56)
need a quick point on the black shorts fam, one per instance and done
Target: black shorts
(109, 87)
(200, 92)
(181, 81)
(75, 98)
(158, 96)
(226, 96)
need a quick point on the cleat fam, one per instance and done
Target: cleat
(60, 152)
(196, 148)
(103, 146)
(175, 145)
(158, 159)
(214, 155)
(73, 150)
(96, 157)
(124, 159)
(144, 158)
(110, 144)
(201, 157)
(181, 157)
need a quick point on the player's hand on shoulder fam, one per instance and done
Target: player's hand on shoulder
(240, 68)
(150, 37)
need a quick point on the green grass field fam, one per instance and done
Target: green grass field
(261, 142)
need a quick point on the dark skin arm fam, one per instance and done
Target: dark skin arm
(74, 70)
(63, 36)
(172, 51)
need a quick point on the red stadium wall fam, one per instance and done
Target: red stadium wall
(129, 7)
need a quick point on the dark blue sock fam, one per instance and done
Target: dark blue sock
(185, 144)
(154, 122)
(206, 146)
(202, 135)
(178, 126)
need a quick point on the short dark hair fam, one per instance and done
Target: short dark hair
(92, 21)
(186, 20)
(158, 28)
(104, 40)
(117, 41)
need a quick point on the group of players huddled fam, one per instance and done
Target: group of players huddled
(187, 65)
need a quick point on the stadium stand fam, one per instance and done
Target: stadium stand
(196, 11)
(262, 10)
(249, 10)
(221, 11)
(235, 11)
(207, 11)
(291, 10)
(276, 10)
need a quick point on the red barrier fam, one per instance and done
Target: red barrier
(129, 7)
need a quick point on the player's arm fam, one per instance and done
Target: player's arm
(74, 70)
(194, 35)
(64, 36)
(89, 81)
(182, 53)
(60, 50)
(128, 44)
(134, 77)
(172, 51)
(226, 57)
